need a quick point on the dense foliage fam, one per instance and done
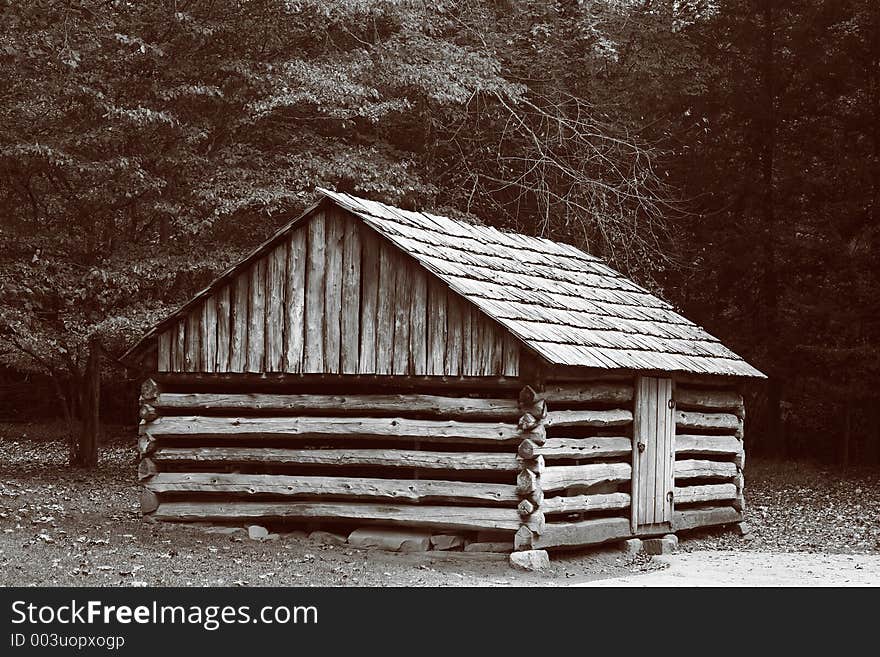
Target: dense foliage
(724, 152)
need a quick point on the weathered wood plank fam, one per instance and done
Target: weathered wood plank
(694, 421)
(454, 315)
(238, 345)
(313, 349)
(589, 418)
(224, 329)
(369, 301)
(586, 532)
(708, 445)
(499, 410)
(276, 282)
(418, 323)
(385, 314)
(692, 518)
(209, 334)
(295, 300)
(164, 350)
(588, 393)
(351, 298)
(707, 493)
(487, 346)
(410, 490)
(511, 348)
(335, 234)
(585, 503)
(193, 353)
(256, 338)
(665, 455)
(411, 515)
(467, 333)
(694, 469)
(578, 448)
(178, 347)
(391, 458)
(702, 399)
(403, 284)
(437, 298)
(199, 427)
(558, 477)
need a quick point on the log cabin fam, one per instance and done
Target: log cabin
(369, 365)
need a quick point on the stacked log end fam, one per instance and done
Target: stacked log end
(146, 444)
(528, 480)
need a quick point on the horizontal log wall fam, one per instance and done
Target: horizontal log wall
(436, 461)
(336, 298)
(709, 453)
(582, 491)
(551, 467)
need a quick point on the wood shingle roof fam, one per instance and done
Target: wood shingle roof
(565, 305)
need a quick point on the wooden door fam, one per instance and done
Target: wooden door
(653, 455)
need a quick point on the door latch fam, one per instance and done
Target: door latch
(641, 446)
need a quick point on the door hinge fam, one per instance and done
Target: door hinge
(671, 403)
(641, 446)
(669, 496)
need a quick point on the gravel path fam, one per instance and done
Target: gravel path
(734, 568)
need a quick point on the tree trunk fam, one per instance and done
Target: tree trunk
(66, 404)
(87, 456)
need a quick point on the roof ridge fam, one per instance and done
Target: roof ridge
(365, 207)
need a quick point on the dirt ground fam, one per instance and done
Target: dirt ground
(66, 527)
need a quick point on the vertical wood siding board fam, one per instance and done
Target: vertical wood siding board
(275, 283)
(385, 310)
(294, 302)
(648, 472)
(643, 408)
(490, 338)
(466, 339)
(511, 356)
(209, 334)
(224, 328)
(453, 336)
(333, 292)
(163, 360)
(180, 346)
(635, 506)
(668, 484)
(193, 355)
(476, 343)
(660, 456)
(497, 351)
(647, 460)
(437, 295)
(638, 430)
(313, 354)
(256, 340)
(652, 461)
(351, 297)
(238, 341)
(493, 354)
(369, 300)
(403, 283)
(418, 315)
